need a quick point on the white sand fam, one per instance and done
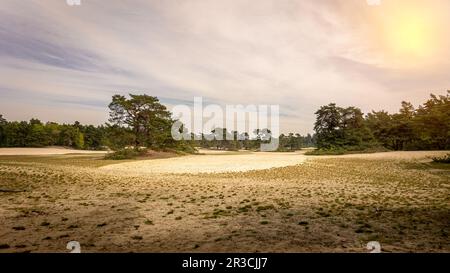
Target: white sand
(44, 151)
(211, 163)
(222, 161)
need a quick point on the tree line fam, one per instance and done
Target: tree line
(136, 121)
(142, 121)
(233, 140)
(35, 133)
(426, 127)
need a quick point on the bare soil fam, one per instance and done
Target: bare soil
(45, 151)
(311, 204)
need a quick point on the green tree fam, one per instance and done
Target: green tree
(380, 124)
(3, 124)
(94, 137)
(432, 123)
(37, 136)
(327, 126)
(402, 131)
(355, 132)
(149, 120)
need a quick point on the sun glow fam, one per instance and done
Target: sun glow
(410, 35)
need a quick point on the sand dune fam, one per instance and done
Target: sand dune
(210, 163)
(222, 161)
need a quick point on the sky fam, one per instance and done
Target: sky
(63, 63)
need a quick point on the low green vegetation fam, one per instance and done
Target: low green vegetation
(348, 150)
(126, 154)
(76, 160)
(443, 159)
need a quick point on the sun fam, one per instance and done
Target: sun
(410, 35)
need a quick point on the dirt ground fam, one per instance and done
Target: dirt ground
(312, 204)
(44, 151)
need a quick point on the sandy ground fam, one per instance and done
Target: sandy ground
(401, 155)
(219, 152)
(211, 162)
(334, 204)
(44, 151)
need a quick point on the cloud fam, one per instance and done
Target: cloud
(298, 54)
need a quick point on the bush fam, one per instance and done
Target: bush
(330, 151)
(189, 149)
(347, 150)
(125, 154)
(443, 159)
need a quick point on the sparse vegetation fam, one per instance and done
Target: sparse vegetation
(126, 154)
(148, 222)
(347, 150)
(442, 159)
(327, 204)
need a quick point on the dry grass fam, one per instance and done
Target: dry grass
(402, 155)
(322, 205)
(45, 151)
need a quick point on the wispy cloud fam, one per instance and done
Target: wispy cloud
(299, 54)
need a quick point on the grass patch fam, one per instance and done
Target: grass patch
(347, 150)
(263, 208)
(366, 228)
(91, 160)
(125, 154)
(443, 159)
(19, 228)
(148, 222)
(245, 208)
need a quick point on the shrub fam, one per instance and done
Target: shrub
(188, 149)
(125, 154)
(331, 151)
(348, 150)
(443, 159)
